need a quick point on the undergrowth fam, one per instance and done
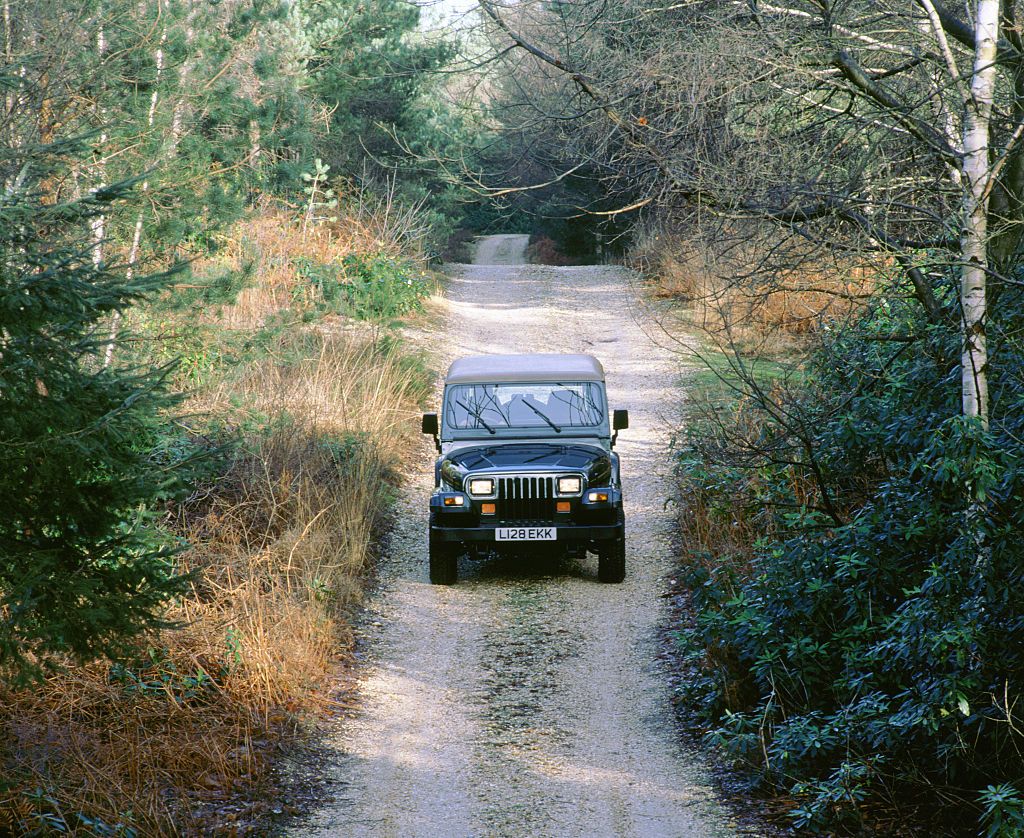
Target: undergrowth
(852, 550)
(738, 298)
(296, 421)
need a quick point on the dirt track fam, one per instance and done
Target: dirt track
(526, 700)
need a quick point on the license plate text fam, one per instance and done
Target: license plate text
(526, 534)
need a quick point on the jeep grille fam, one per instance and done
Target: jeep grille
(526, 499)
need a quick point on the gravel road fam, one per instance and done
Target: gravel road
(526, 700)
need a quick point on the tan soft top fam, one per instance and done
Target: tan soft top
(493, 369)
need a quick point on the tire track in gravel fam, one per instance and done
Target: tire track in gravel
(526, 700)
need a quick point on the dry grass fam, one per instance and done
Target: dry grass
(723, 512)
(182, 740)
(750, 295)
(737, 300)
(271, 244)
(719, 513)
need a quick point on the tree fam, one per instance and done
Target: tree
(980, 176)
(867, 639)
(807, 118)
(84, 567)
(367, 66)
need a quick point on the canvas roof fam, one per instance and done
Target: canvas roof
(490, 369)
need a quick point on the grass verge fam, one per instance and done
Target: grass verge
(300, 411)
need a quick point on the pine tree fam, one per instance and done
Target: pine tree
(83, 567)
(367, 68)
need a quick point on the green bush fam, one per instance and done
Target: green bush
(878, 640)
(1003, 814)
(373, 287)
(85, 566)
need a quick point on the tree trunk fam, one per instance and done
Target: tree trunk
(133, 252)
(974, 240)
(98, 225)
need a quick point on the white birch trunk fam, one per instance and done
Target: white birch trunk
(255, 149)
(178, 113)
(98, 225)
(945, 119)
(8, 59)
(133, 251)
(974, 240)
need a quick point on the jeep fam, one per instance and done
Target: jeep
(525, 459)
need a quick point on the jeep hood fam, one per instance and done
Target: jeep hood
(595, 463)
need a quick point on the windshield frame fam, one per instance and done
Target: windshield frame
(540, 430)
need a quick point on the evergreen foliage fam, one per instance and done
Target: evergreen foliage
(364, 63)
(386, 122)
(132, 136)
(877, 643)
(83, 566)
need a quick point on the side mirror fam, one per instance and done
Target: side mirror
(620, 421)
(430, 427)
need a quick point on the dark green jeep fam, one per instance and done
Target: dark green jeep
(525, 444)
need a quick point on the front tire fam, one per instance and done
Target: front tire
(611, 560)
(444, 563)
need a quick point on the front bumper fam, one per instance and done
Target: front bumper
(566, 533)
(587, 521)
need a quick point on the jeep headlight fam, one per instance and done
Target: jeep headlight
(570, 485)
(481, 486)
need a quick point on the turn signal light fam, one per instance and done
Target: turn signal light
(597, 497)
(488, 508)
(453, 500)
(563, 506)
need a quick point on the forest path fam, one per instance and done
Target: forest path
(527, 699)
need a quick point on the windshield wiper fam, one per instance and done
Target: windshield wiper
(543, 416)
(476, 416)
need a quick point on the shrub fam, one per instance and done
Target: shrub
(1003, 813)
(297, 430)
(280, 526)
(738, 302)
(873, 637)
(373, 287)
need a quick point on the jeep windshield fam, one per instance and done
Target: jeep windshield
(551, 407)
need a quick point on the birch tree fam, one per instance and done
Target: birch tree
(979, 172)
(871, 128)
(864, 635)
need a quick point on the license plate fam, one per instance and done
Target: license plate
(526, 534)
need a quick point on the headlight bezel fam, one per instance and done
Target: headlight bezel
(575, 491)
(491, 489)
